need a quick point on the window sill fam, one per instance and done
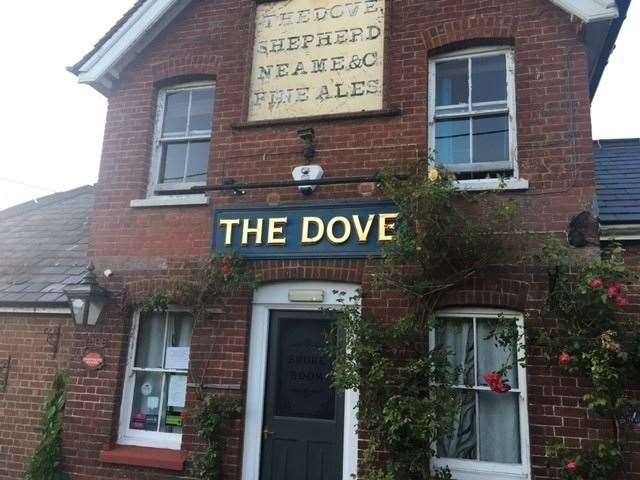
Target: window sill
(493, 184)
(171, 201)
(145, 457)
(471, 470)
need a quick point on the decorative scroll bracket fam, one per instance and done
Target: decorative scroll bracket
(5, 366)
(53, 339)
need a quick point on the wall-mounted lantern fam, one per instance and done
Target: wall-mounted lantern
(86, 299)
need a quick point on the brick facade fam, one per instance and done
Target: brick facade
(33, 367)
(144, 247)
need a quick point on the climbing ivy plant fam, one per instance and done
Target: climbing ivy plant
(444, 236)
(46, 460)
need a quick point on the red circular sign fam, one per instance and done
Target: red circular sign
(93, 360)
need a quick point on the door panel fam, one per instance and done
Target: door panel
(303, 417)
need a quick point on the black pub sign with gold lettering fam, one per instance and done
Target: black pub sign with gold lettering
(354, 230)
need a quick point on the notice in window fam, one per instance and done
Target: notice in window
(177, 358)
(177, 391)
(317, 57)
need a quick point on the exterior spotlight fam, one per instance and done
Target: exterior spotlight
(86, 299)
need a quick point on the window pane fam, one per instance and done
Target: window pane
(146, 401)
(452, 141)
(175, 113)
(175, 156)
(491, 139)
(452, 82)
(175, 393)
(462, 443)
(499, 427)
(201, 110)
(456, 336)
(150, 341)
(198, 162)
(179, 341)
(492, 357)
(489, 79)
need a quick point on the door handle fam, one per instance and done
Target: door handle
(266, 433)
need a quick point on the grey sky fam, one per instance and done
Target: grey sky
(51, 128)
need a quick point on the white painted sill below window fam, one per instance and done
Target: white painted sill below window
(171, 201)
(493, 184)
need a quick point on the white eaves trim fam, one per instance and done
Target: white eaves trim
(622, 233)
(105, 65)
(137, 32)
(36, 310)
(590, 10)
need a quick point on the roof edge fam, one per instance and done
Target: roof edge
(590, 11)
(102, 66)
(45, 201)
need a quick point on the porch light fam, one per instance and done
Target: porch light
(86, 299)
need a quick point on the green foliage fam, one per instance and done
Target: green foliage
(45, 463)
(599, 463)
(591, 341)
(207, 281)
(407, 402)
(212, 421)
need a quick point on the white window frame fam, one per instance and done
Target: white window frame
(158, 140)
(514, 182)
(143, 438)
(476, 469)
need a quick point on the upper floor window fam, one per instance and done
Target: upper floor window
(490, 431)
(472, 122)
(182, 145)
(155, 386)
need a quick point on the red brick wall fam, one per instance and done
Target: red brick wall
(33, 368)
(213, 37)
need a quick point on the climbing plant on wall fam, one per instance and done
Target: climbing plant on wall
(444, 236)
(593, 340)
(46, 460)
(204, 286)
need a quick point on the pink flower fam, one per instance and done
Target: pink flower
(622, 302)
(571, 466)
(494, 380)
(614, 290)
(615, 347)
(597, 283)
(564, 358)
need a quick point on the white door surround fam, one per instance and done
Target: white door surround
(276, 297)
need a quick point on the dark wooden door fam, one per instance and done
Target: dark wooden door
(303, 416)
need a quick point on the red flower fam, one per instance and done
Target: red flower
(622, 302)
(494, 380)
(571, 466)
(226, 266)
(597, 283)
(564, 359)
(614, 291)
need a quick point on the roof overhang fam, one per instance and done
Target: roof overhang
(590, 11)
(101, 68)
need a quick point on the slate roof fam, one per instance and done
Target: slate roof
(43, 247)
(617, 164)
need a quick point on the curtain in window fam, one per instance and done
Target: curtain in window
(457, 338)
